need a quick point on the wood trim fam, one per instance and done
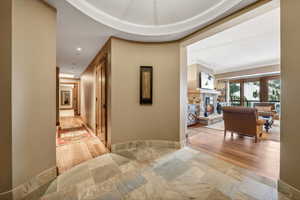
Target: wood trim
(66, 108)
(242, 92)
(272, 77)
(101, 112)
(235, 81)
(263, 86)
(146, 101)
(244, 80)
(69, 83)
(104, 50)
(103, 55)
(264, 89)
(251, 80)
(75, 79)
(255, 79)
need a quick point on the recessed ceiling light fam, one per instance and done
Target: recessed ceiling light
(79, 49)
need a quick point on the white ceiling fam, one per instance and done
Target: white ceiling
(153, 12)
(254, 43)
(89, 23)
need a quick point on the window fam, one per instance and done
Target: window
(274, 90)
(235, 95)
(251, 91)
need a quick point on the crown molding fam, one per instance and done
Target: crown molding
(153, 30)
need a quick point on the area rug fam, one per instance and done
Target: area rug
(73, 136)
(70, 122)
(66, 113)
(273, 134)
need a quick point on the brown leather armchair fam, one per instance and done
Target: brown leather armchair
(266, 109)
(243, 121)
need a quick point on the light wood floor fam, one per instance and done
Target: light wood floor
(79, 151)
(262, 157)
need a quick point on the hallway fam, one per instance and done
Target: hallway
(75, 144)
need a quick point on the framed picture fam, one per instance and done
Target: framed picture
(146, 84)
(65, 98)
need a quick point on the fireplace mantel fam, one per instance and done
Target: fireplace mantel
(201, 95)
(204, 91)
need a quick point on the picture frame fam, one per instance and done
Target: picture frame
(146, 85)
(65, 98)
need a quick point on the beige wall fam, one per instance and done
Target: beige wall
(193, 79)
(5, 101)
(129, 119)
(33, 89)
(193, 75)
(290, 59)
(258, 70)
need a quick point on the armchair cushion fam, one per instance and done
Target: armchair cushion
(266, 114)
(260, 122)
(264, 108)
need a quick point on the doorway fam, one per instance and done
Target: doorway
(101, 101)
(236, 82)
(75, 141)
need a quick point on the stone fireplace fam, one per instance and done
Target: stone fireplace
(205, 100)
(208, 107)
(208, 101)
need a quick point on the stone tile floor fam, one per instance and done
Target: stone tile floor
(149, 173)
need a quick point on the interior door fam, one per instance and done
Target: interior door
(75, 98)
(101, 102)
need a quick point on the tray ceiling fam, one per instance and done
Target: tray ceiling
(154, 17)
(87, 24)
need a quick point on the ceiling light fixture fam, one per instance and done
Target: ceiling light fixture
(64, 75)
(79, 49)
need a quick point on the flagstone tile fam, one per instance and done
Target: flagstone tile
(149, 172)
(171, 169)
(105, 172)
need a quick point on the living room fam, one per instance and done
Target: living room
(234, 89)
